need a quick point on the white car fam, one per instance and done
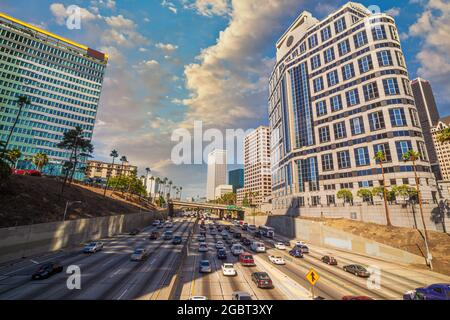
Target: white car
(219, 245)
(228, 270)
(203, 247)
(198, 298)
(300, 243)
(205, 266)
(93, 247)
(140, 254)
(280, 246)
(237, 249)
(258, 247)
(277, 260)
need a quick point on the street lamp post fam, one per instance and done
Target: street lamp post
(69, 203)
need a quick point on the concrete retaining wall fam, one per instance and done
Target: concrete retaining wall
(317, 233)
(26, 241)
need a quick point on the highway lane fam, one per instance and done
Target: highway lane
(101, 272)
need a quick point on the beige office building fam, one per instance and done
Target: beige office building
(339, 93)
(442, 148)
(103, 170)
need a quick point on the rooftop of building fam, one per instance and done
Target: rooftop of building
(445, 120)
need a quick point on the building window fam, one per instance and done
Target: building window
(321, 108)
(365, 64)
(422, 151)
(357, 126)
(312, 41)
(383, 147)
(402, 148)
(376, 121)
(331, 199)
(315, 62)
(391, 86)
(332, 78)
(384, 58)
(344, 47)
(339, 130)
(407, 87)
(348, 71)
(303, 47)
(398, 118)
(327, 162)
(362, 156)
(340, 25)
(414, 118)
(400, 59)
(370, 91)
(352, 97)
(324, 134)
(325, 33)
(318, 84)
(379, 33)
(360, 39)
(343, 159)
(394, 33)
(336, 103)
(329, 55)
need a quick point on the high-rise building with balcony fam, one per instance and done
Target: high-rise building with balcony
(339, 93)
(62, 81)
(217, 172)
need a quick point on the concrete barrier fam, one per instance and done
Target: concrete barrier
(317, 233)
(26, 241)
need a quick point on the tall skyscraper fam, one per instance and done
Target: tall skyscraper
(236, 179)
(217, 172)
(429, 118)
(339, 93)
(257, 174)
(62, 80)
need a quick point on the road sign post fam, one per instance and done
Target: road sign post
(312, 276)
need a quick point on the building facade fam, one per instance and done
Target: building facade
(429, 117)
(257, 173)
(217, 172)
(442, 148)
(223, 190)
(61, 79)
(339, 93)
(236, 179)
(104, 170)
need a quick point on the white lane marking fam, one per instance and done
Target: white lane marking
(123, 293)
(115, 273)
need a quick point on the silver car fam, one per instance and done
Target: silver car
(139, 254)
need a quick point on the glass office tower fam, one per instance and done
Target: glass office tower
(61, 79)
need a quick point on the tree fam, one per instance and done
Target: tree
(380, 158)
(13, 156)
(444, 135)
(152, 182)
(366, 195)
(346, 195)
(79, 147)
(402, 191)
(378, 192)
(147, 172)
(170, 186)
(21, 101)
(40, 160)
(114, 154)
(181, 190)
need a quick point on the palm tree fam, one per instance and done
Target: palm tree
(444, 135)
(147, 172)
(414, 156)
(40, 160)
(123, 160)
(380, 157)
(152, 182)
(21, 101)
(170, 186)
(181, 190)
(165, 186)
(114, 154)
(13, 156)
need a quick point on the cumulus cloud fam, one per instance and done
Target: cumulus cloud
(167, 47)
(395, 11)
(61, 13)
(169, 5)
(209, 7)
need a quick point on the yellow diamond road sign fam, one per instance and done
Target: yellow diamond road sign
(312, 276)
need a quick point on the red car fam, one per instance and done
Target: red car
(356, 298)
(246, 259)
(33, 173)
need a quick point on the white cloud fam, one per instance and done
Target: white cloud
(209, 7)
(169, 5)
(167, 47)
(123, 32)
(120, 22)
(394, 11)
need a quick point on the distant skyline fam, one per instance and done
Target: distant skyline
(175, 61)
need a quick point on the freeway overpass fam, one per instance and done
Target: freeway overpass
(219, 209)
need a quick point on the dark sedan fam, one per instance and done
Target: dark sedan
(221, 254)
(262, 280)
(135, 232)
(357, 270)
(329, 260)
(296, 253)
(47, 270)
(177, 240)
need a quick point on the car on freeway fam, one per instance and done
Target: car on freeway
(277, 260)
(93, 247)
(357, 270)
(229, 242)
(177, 240)
(251, 227)
(299, 243)
(280, 246)
(203, 247)
(247, 242)
(257, 234)
(221, 254)
(356, 298)
(303, 247)
(213, 232)
(198, 298)
(169, 225)
(135, 232)
(154, 235)
(258, 247)
(205, 266)
(156, 223)
(236, 249)
(262, 280)
(437, 291)
(228, 270)
(227, 228)
(139, 254)
(237, 235)
(219, 245)
(224, 233)
(240, 295)
(296, 253)
(168, 235)
(246, 259)
(46, 270)
(329, 260)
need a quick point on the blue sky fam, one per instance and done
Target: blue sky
(173, 62)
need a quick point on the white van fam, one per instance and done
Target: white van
(258, 247)
(237, 249)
